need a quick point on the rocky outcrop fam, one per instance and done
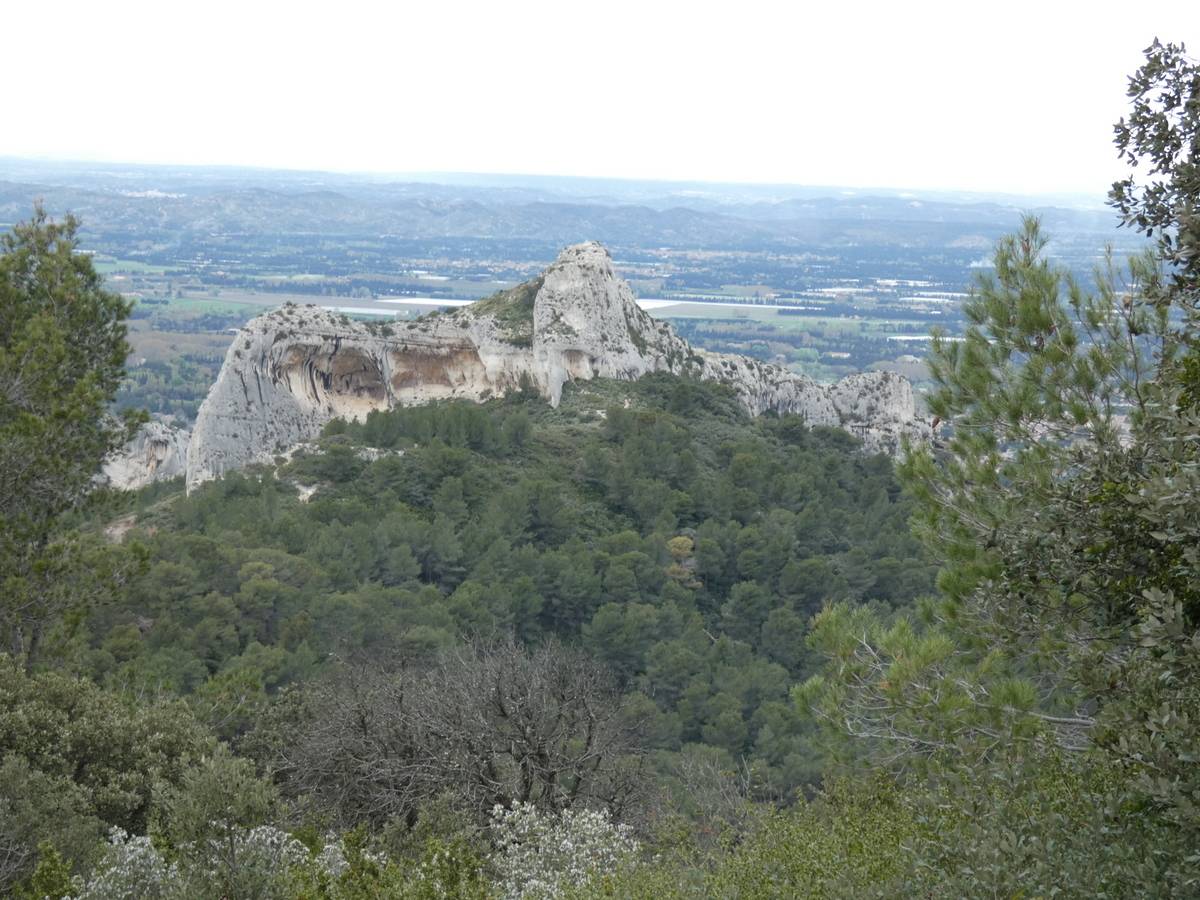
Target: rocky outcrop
(292, 370)
(157, 452)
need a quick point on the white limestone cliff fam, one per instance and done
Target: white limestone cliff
(157, 452)
(291, 371)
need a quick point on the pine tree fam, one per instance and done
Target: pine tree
(62, 356)
(1062, 496)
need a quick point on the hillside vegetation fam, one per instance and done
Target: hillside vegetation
(639, 645)
(653, 525)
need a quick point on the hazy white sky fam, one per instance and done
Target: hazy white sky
(1011, 95)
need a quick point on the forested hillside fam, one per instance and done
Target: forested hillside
(655, 526)
(602, 606)
(639, 645)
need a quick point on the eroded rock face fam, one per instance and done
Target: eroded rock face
(157, 452)
(292, 370)
(587, 324)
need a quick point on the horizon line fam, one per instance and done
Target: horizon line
(429, 176)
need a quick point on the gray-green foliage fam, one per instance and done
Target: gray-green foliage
(274, 865)
(220, 793)
(541, 857)
(38, 809)
(266, 864)
(216, 835)
(1161, 136)
(75, 759)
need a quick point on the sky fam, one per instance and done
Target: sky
(1013, 96)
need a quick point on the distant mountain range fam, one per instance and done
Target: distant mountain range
(153, 203)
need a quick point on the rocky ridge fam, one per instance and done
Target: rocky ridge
(290, 371)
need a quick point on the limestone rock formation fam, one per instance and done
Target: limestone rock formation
(157, 452)
(292, 370)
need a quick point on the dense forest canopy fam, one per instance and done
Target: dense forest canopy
(637, 645)
(655, 526)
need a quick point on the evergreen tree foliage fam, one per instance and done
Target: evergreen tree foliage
(62, 356)
(1064, 502)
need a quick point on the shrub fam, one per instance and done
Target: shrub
(539, 856)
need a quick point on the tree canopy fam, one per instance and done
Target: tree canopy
(62, 357)
(1063, 500)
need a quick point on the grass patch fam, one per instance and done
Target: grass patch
(512, 310)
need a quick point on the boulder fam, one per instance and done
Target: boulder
(157, 452)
